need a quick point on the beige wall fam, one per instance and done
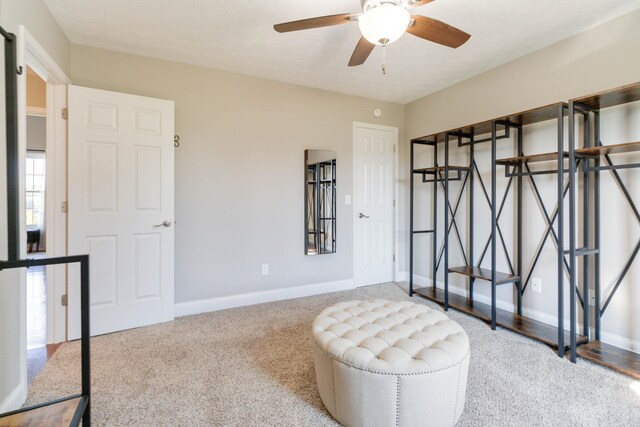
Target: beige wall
(239, 181)
(601, 58)
(597, 59)
(37, 19)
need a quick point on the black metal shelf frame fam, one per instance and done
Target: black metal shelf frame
(587, 118)
(443, 177)
(83, 410)
(505, 129)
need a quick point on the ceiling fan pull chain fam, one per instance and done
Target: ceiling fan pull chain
(384, 59)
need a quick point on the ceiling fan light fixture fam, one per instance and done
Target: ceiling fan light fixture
(384, 22)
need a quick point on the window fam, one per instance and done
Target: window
(35, 189)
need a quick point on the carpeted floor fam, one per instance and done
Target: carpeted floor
(253, 366)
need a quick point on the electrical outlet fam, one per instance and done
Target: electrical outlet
(536, 284)
(265, 269)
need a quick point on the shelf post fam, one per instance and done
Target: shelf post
(411, 177)
(572, 232)
(596, 225)
(86, 337)
(471, 211)
(494, 221)
(434, 271)
(560, 141)
(519, 220)
(446, 221)
(12, 151)
(586, 222)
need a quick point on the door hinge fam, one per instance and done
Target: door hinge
(65, 114)
(394, 257)
(394, 148)
(394, 203)
(65, 207)
(63, 300)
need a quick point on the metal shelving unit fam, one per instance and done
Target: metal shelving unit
(516, 170)
(584, 113)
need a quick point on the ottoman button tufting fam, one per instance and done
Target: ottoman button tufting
(390, 363)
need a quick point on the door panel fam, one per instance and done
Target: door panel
(373, 242)
(120, 192)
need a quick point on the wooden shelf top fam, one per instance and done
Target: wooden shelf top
(627, 147)
(435, 169)
(618, 359)
(57, 414)
(528, 117)
(484, 274)
(543, 157)
(609, 98)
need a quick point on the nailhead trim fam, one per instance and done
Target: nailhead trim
(398, 400)
(333, 380)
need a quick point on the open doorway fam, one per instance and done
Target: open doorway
(38, 350)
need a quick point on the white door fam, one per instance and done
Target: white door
(121, 208)
(373, 204)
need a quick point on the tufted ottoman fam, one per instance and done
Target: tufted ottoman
(385, 363)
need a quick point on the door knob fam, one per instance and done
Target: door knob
(361, 215)
(165, 223)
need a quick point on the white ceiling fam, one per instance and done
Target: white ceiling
(238, 36)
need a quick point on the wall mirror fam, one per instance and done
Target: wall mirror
(320, 202)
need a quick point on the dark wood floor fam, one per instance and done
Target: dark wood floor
(523, 325)
(38, 352)
(37, 358)
(618, 359)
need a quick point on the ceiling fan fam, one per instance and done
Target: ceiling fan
(383, 22)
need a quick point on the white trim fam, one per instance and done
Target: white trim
(22, 154)
(606, 337)
(31, 53)
(396, 193)
(39, 60)
(241, 300)
(14, 400)
(57, 156)
(28, 51)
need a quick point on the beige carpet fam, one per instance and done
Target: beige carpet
(253, 366)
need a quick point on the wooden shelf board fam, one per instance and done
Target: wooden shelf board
(618, 359)
(528, 327)
(528, 117)
(56, 414)
(484, 274)
(542, 157)
(434, 169)
(609, 98)
(628, 147)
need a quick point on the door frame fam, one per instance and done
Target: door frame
(396, 192)
(30, 52)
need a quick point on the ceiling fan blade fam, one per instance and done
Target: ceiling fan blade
(437, 31)
(419, 3)
(361, 52)
(317, 22)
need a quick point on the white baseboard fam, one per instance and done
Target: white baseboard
(606, 337)
(241, 300)
(15, 400)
